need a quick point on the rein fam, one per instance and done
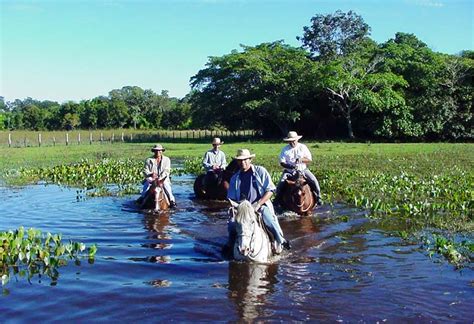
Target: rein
(256, 223)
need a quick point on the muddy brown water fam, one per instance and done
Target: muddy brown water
(158, 267)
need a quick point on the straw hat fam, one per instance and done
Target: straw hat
(292, 136)
(243, 154)
(217, 141)
(157, 147)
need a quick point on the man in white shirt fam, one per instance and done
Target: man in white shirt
(296, 155)
(158, 167)
(214, 162)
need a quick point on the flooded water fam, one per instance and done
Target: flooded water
(168, 267)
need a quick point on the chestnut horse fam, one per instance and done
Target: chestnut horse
(217, 190)
(156, 197)
(297, 196)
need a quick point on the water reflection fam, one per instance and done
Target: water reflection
(250, 286)
(160, 227)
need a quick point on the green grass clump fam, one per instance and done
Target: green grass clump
(29, 253)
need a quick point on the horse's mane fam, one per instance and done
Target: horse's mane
(244, 212)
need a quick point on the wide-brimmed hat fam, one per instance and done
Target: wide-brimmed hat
(243, 154)
(217, 141)
(157, 147)
(292, 136)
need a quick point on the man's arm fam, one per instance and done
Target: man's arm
(262, 200)
(147, 168)
(287, 165)
(206, 162)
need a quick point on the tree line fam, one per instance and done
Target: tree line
(338, 83)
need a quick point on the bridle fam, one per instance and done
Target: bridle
(255, 223)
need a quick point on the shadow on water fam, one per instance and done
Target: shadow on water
(169, 266)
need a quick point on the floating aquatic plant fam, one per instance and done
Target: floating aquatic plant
(26, 253)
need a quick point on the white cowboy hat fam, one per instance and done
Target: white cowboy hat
(292, 136)
(157, 147)
(217, 141)
(243, 154)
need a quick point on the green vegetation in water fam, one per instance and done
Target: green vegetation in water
(102, 178)
(415, 186)
(29, 253)
(457, 253)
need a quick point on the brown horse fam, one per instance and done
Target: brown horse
(156, 197)
(297, 196)
(218, 190)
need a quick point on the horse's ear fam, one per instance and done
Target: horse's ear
(233, 203)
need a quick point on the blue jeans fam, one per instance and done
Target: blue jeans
(270, 220)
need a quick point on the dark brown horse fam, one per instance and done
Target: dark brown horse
(218, 190)
(297, 196)
(156, 197)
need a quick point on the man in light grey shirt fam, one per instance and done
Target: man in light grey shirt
(214, 162)
(158, 167)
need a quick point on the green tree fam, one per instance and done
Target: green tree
(355, 82)
(333, 35)
(250, 88)
(438, 86)
(89, 116)
(33, 117)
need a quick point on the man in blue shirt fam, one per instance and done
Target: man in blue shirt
(253, 182)
(214, 162)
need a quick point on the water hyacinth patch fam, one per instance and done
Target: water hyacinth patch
(26, 253)
(101, 178)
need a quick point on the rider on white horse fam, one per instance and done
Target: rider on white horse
(254, 183)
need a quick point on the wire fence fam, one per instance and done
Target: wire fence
(84, 137)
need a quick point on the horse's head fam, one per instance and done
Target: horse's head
(296, 183)
(298, 192)
(159, 182)
(245, 221)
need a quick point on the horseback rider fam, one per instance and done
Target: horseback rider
(157, 167)
(214, 162)
(296, 156)
(253, 182)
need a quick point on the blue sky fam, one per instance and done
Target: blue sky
(73, 50)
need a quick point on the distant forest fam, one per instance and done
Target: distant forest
(339, 84)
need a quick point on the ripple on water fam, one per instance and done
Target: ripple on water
(168, 266)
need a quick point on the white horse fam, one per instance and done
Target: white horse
(252, 243)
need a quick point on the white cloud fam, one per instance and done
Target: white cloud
(427, 3)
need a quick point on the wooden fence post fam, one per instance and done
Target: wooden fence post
(112, 138)
(39, 139)
(101, 137)
(79, 138)
(122, 138)
(9, 140)
(67, 138)
(90, 138)
(54, 140)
